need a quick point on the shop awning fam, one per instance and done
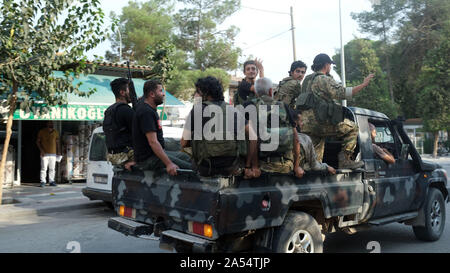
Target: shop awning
(90, 108)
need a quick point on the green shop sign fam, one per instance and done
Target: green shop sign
(71, 112)
(66, 112)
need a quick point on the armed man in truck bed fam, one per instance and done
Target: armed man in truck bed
(217, 154)
(148, 140)
(322, 117)
(117, 126)
(289, 88)
(284, 158)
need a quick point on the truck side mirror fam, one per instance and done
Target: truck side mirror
(404, 152)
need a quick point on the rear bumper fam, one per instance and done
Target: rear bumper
(95, 194)
(171, 238)
(129, 227)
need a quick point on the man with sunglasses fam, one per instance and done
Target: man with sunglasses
(289, 88)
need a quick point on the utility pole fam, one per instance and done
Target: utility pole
(344, 102)
(120, 46)
(293, 33)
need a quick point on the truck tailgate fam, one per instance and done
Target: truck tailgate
(174, 201)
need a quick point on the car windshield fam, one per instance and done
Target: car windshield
(98, 148)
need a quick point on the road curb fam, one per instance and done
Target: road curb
(8, 212)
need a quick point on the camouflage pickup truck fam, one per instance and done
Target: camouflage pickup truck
(282, 213)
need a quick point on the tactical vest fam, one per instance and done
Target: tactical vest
(325, 109)
(284, 130)
(204, 150)
(112, 129)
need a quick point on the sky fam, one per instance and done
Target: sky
(316, 30)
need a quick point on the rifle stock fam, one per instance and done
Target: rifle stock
(133, 95)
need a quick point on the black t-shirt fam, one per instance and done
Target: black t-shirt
(243, 92)
(146, 120)
(124, 118)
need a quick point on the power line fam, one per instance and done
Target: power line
(273, 37)
(269, 11)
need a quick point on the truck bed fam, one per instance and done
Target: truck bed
(232, 204)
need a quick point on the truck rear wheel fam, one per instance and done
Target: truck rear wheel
(299, 233)
(434, 209)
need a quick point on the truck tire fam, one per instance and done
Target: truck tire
(434, 210)
(299, 233)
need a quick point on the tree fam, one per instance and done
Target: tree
(141, 25)
(380, 22)
(198, 34)
(161, 61)
(183, 83)
(418, 32)
(36, 40)
(361, 60)
(434, 103)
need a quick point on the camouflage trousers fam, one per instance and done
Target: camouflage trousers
(286, 166)
(120, 159)
(277, 164)
(346, 130)
(180, 159)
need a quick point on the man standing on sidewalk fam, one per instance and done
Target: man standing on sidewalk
(48, 143)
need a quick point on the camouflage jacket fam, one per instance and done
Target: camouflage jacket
(288, 90)
(326, 87)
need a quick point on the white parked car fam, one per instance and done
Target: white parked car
(100, 171)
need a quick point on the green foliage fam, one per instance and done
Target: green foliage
(412, 35)
(421, 30)
(198, 34)
(141, 25)
(380, 21)
(434, 98)
(361, 60)
(161, 60)
(37, 39)
(183, 83)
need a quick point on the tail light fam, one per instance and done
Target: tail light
(127, 212)
(200, 229)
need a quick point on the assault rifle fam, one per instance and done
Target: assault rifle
(133, 95)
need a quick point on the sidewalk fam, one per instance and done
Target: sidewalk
(443, 160)
(30, 199)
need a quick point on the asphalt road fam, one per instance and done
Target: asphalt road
(86, 231)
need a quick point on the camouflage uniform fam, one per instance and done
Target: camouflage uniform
(327, 88)
(119, 159)
(288, 90)
(277, 163)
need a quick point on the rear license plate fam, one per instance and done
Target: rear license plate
(100, 178)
